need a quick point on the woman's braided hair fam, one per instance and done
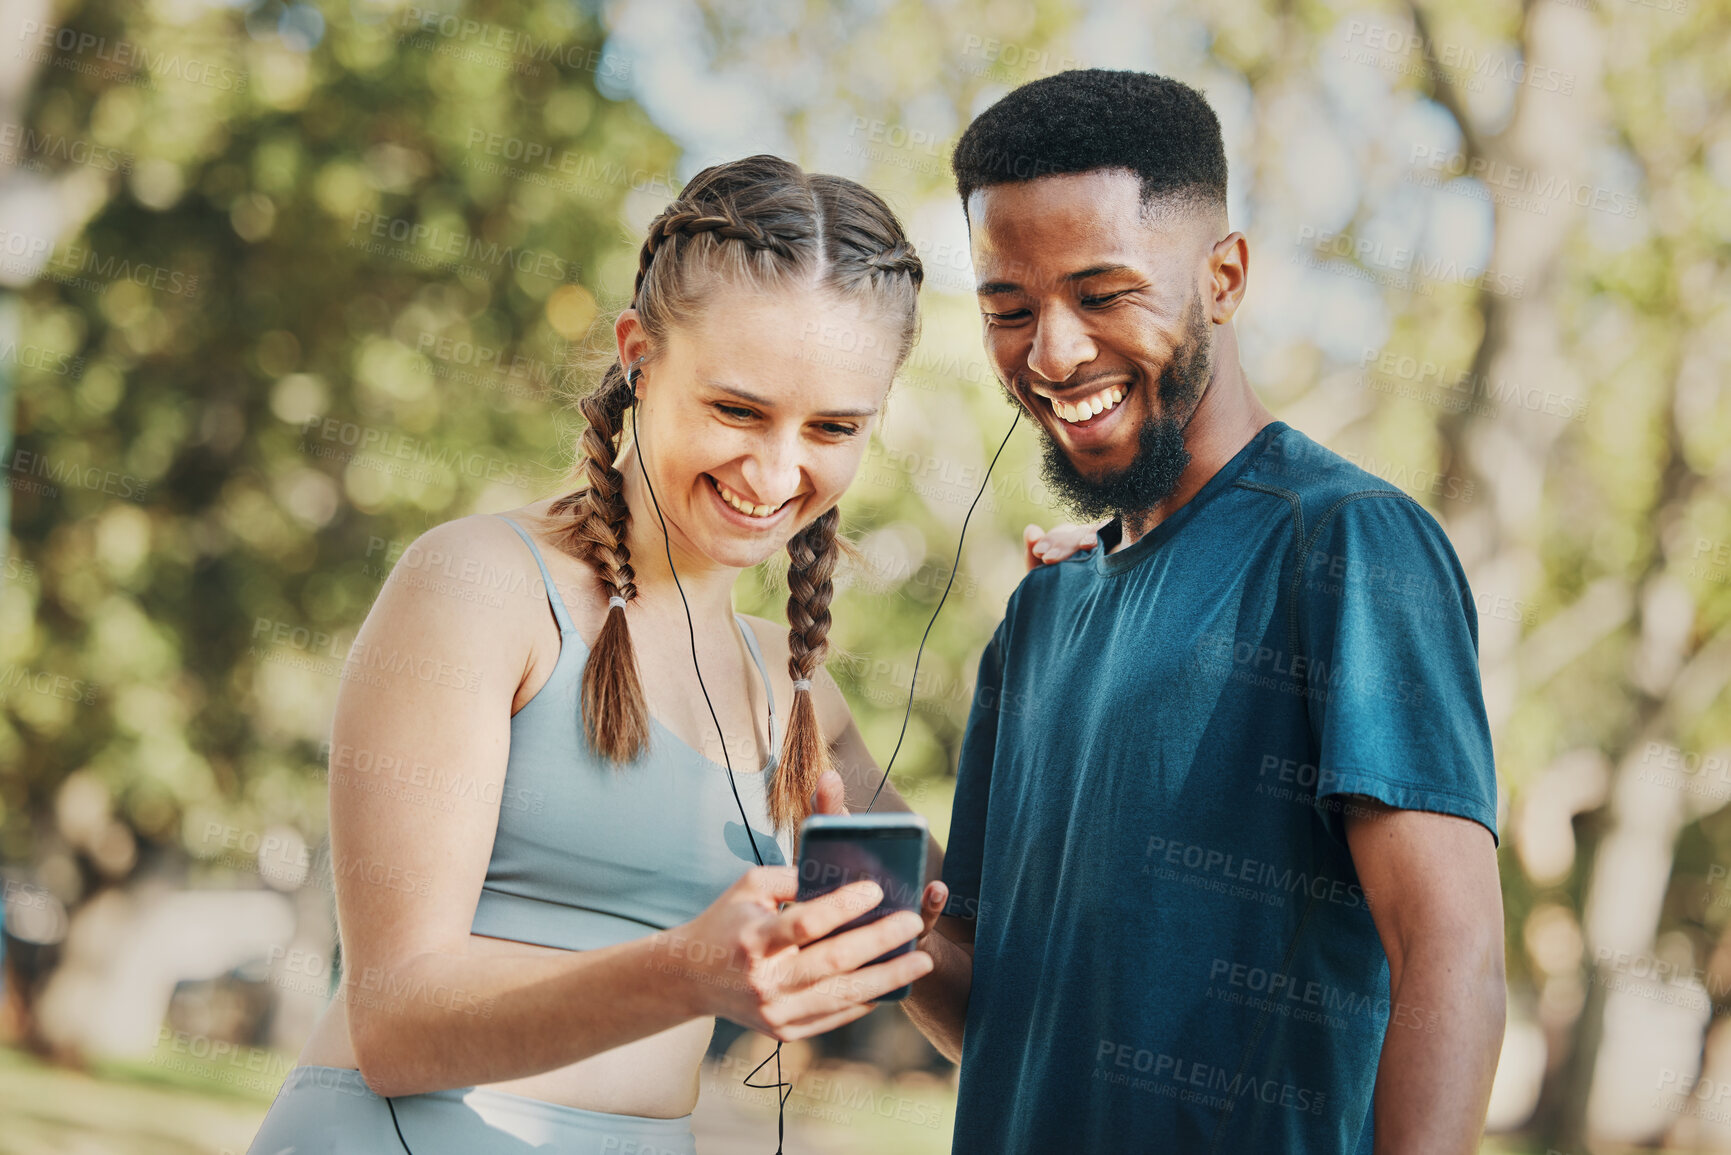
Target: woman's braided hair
(760, 222)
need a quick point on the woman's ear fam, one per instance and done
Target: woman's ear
(628, 334)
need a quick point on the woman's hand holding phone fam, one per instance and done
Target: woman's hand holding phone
(749, 959)
(831, 799)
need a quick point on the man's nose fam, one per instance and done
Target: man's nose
(1061, 344)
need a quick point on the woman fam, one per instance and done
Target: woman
(538, 941)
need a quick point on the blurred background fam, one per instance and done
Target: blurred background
(284, 284)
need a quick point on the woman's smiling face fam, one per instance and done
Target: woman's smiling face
(754, 414)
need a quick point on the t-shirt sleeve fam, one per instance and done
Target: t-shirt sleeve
(963, 855)
(1388, 634)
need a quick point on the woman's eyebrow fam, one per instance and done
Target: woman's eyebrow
(765, 403)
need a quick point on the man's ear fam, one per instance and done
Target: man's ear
(1228, 271)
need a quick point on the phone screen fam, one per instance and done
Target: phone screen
(836, 852)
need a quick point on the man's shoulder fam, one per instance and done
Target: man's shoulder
(1357, 525)
(1326, 488)
(1053, 582)
(1311, 472)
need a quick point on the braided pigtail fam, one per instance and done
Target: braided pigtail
(805, 754)
(615, 711)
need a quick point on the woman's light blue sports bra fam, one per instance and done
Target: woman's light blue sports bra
(589, 854)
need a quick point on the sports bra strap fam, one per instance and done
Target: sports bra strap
(768, 692)
(559, 614)
(565, 627)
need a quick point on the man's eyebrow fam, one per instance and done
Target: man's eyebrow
(766, 403)
(998, 288)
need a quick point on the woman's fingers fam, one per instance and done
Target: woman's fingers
(1045, 548)
(835, 993)
(1032, 535)
(932, 904)
(806, 979)
(847, 953)
(831, 795)
(822, 1024)
(807, 921)
(772, 884)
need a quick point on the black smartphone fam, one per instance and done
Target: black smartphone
(889, 849)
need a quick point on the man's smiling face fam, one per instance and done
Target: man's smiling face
(1095, 321)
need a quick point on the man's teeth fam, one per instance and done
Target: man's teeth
(742, 505)
(1088, 406)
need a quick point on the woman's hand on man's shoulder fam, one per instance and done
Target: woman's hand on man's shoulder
(1049, 546)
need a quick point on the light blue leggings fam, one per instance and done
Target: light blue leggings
(332, 1111)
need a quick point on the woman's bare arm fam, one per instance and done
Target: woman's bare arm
(429, 687)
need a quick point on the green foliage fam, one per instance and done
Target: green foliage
(326, 302)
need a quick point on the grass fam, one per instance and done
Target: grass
(176, 1103)
(133, 1109)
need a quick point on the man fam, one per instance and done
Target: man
(1222, 864)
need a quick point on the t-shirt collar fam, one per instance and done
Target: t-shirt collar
(1107, 564)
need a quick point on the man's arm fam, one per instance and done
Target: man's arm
(1431, 883)
(938, 1003)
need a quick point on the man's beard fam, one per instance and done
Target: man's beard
(1160, 458)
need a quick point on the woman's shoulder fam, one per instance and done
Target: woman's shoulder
(477, 565)
(487, 544)
(460, 547)
(441, 618)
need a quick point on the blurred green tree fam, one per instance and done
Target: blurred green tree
(309, 283)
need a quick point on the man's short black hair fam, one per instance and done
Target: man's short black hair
(1086, 119)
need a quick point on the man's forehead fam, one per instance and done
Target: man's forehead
(1059, 199)
(1067, 230)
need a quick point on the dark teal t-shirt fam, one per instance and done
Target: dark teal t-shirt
(1172, 949)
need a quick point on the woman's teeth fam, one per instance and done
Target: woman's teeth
(739, 503)
(1089, 406)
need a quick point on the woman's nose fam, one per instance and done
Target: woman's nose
(773, 472)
